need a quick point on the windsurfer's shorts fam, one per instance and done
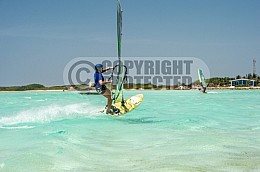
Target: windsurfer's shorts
(102, 89)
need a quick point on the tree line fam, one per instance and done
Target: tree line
(225, 81)
(30, 87)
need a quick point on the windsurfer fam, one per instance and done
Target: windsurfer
(100, 85)
(202, 89)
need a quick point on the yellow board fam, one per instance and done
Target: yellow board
(130, 104)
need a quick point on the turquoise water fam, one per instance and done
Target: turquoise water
(170, 131)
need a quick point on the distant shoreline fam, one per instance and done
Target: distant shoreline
(209, 88)
(233, 88)
(32, 91)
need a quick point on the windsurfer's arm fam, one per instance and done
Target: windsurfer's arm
(107, 69)
(104, 82)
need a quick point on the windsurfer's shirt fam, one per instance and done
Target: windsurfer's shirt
(97, 78)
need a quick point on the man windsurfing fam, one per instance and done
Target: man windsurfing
(100, 85)
(202, 81)
(202, 89)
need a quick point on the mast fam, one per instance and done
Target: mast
(119, 29)
(118, 96)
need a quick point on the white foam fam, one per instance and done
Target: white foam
(255, 128)
(2, 165)
(213, 92)
(51, 113)
(41, 100)
(18, 127)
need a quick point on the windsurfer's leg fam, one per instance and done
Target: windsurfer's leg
(107, 94)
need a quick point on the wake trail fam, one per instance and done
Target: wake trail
(51, 113)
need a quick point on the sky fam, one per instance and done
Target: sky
(38, 38)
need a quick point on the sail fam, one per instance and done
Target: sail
(202, 78)
(118, 95)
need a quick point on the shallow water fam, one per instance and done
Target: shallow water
(170, 131)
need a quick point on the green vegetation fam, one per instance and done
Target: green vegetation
(225, 82)
(30, 87)
(219, 82)
(23, 88)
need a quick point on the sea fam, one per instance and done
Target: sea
(171, 130)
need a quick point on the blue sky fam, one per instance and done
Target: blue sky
(38, 38)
